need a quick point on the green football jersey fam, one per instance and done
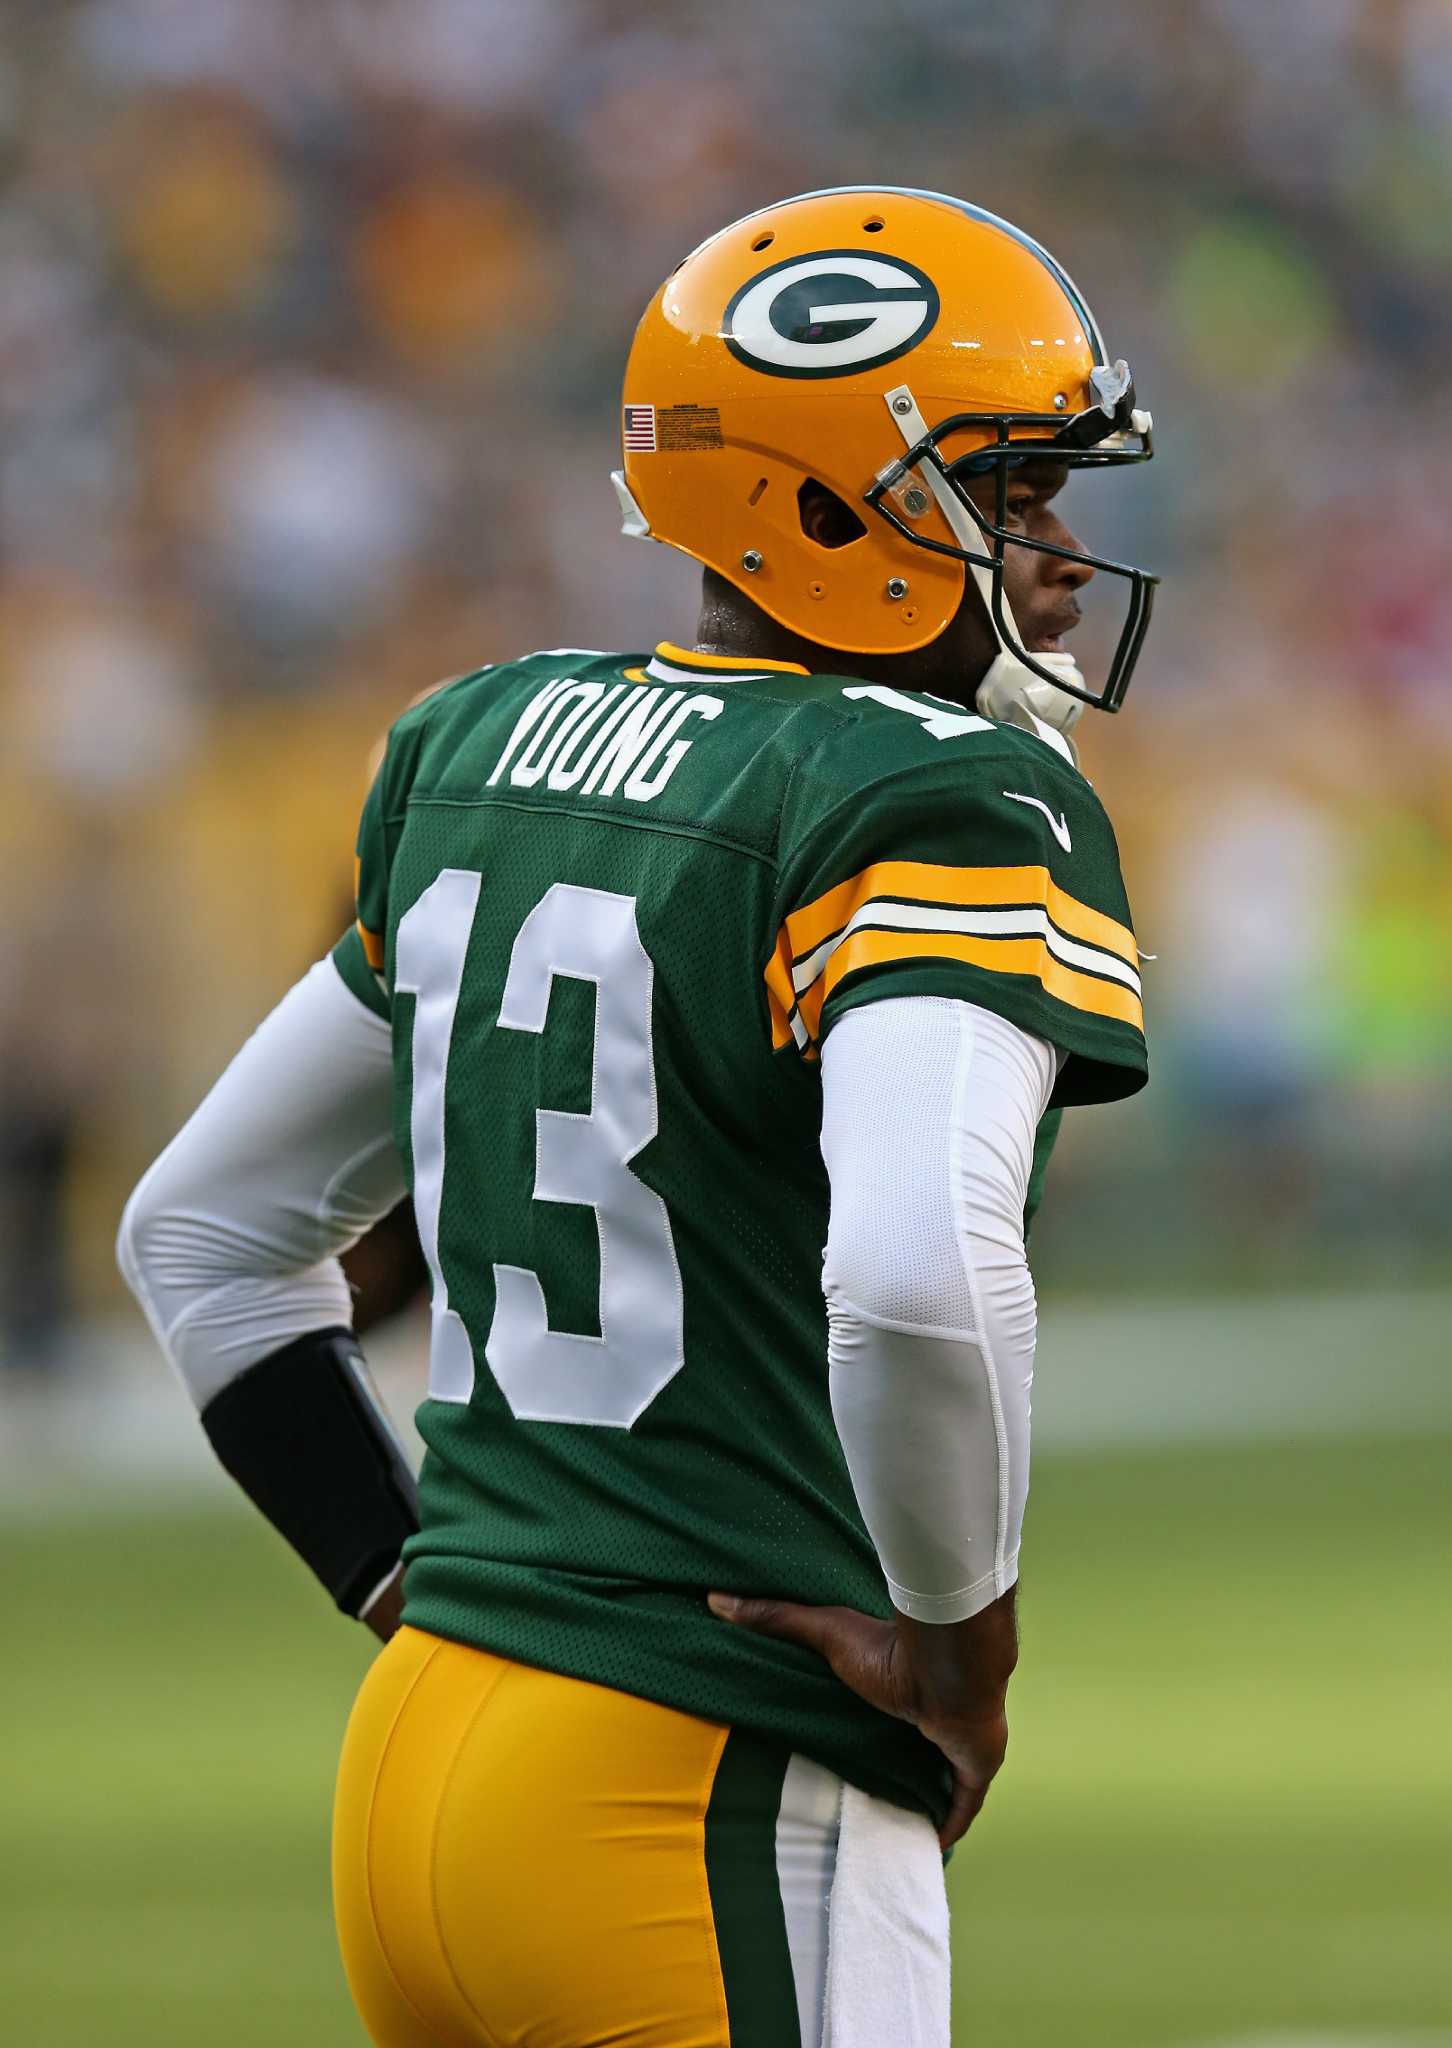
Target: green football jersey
(612, 905)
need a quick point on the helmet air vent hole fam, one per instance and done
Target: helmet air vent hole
(827, 519)
(756, 490)
(873, 225)
(763, 242)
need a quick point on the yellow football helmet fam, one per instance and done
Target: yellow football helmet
(885, 343)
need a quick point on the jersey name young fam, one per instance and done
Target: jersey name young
(600, 737)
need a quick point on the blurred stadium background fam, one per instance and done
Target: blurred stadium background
(310, 334)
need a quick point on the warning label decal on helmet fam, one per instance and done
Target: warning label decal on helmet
(830, 314)
(680, 428)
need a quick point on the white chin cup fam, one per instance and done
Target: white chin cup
(1009, 687)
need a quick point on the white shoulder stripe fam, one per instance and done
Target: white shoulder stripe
(1029, 921)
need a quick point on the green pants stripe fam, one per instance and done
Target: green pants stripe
(741, 1869)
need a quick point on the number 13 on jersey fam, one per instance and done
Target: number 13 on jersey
(551, 1375)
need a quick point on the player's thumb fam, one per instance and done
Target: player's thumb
(767, 1617)
(785, 1619)
(830, 1631)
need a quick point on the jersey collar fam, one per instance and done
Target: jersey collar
(672, 664)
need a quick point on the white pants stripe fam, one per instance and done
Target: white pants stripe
(806, 1861)
(866, 1915)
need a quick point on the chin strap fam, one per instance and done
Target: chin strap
(1008, 687)
(1009, 702)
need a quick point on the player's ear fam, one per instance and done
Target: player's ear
(827, 519)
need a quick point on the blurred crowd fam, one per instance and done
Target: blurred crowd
(310, 337)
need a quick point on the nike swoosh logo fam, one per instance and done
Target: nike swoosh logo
(1058, 826)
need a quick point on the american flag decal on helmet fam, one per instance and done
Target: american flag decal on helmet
(640, 429)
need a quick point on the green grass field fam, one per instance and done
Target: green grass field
(1225, 1813)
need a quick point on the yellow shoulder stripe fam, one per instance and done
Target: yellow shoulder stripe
(781, 997)
(818, 946)
(1025, 956)
(372, 941)
(920, 881)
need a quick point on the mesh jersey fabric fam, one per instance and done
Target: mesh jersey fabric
(589, 1549)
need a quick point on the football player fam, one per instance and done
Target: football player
(670, 969)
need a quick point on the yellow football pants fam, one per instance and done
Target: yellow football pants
(523, 1860)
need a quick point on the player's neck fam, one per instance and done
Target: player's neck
(731, 624)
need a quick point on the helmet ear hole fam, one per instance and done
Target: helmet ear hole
(827, 519)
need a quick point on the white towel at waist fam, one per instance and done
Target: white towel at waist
(887, 1931)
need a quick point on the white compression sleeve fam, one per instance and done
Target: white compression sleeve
(230, 1241)
(930, 1107)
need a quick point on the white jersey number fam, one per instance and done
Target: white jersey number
(433, 941)
(944, 724)
(553, 1375)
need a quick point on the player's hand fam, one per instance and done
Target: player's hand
(949, 1681)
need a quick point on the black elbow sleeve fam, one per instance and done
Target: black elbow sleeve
(305, 1439)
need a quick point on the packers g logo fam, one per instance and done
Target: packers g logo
(830, 314)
